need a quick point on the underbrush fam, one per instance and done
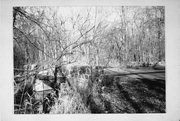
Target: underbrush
(65, 99)
(69, 101)
(106, 95)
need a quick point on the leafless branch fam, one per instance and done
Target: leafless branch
(31, 42)
(31, 19)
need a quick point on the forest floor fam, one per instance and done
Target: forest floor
(138, 93)
(142, 93)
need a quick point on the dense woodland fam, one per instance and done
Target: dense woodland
(82, 59)
(91, 35)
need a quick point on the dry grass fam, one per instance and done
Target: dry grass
(69, 101)
(110, 95)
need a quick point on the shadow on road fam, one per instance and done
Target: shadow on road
(128, 98)
(144, 95)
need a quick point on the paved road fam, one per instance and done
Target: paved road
(137, 73)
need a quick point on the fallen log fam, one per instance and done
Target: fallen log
(44, 77)
(50, 80)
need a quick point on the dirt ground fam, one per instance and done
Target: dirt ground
(128, 94)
